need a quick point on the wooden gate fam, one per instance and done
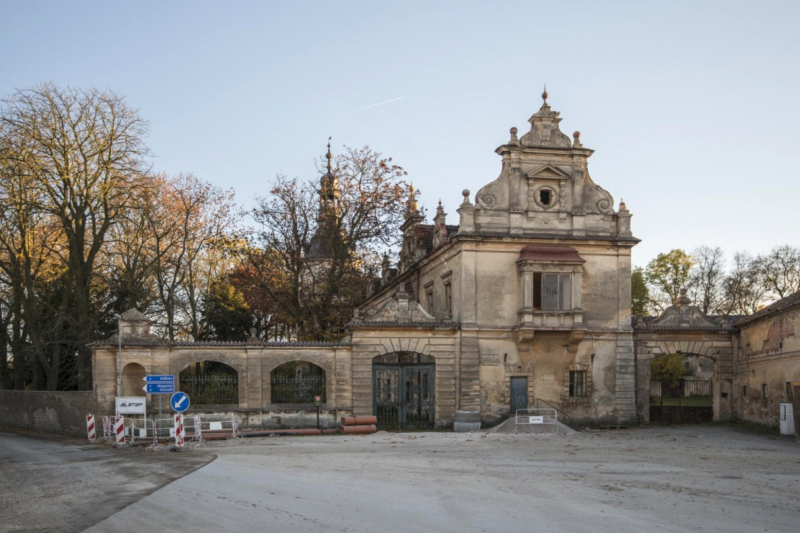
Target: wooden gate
(403, 390)
(690, 401)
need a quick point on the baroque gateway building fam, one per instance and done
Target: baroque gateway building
(524, 301)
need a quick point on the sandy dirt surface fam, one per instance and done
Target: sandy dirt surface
(62, 485)
(678, 479)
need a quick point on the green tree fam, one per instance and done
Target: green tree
(668, 369)
(225, 314)
(669, 273)
(640, 293)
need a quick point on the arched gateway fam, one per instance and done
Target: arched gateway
(403, 389)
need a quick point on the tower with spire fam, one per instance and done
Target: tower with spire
(328, 233)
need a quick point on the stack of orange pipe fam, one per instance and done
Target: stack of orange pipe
(358, 424)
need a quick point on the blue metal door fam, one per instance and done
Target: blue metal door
(519, 394)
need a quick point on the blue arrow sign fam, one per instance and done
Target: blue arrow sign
(159, 388)
(179, 402)
(160, 379)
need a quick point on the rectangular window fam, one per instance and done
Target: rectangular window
(552, 292)
(429, 300)
(789, 394)
(448, 299)
(577, 384)
(764, 395)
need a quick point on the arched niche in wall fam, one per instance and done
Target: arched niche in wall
(133, 380)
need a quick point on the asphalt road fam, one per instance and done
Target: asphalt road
(672, 480)
(61, 485)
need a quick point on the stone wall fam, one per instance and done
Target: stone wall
(53, 412)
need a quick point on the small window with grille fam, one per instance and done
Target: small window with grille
(577, 383)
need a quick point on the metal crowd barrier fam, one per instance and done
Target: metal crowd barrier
(541, 416)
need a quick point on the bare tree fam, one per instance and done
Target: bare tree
(780, 270)
(744, 286)
(308, 254)
(81, 152)
(190, 221)
(706, 278)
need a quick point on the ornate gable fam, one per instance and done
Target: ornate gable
(400, 309)
(544, 186)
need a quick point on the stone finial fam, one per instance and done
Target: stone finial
(624, 220)
(682, 300)
(576, 136)
(385, 268)
(466, 222)
(514, 139)
(253, 336)
(544, 94)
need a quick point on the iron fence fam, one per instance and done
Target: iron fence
(297, 389)
(211, 389)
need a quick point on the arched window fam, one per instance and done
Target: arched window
(210, 383)
(297, 382)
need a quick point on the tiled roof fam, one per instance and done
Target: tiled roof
(141, 341)
(719, 323)
(781, 305)
(436, 325)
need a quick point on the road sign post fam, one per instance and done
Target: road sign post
(179, 402)
(317, 402)
(159, 384)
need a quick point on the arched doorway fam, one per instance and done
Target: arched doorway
(403, 390)
(681, 389)
(210, 383)
(133, 380)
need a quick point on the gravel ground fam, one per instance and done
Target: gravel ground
(676, 479)
(57, 484)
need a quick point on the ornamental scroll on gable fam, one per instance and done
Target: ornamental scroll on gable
(400, 309)
(544, 185)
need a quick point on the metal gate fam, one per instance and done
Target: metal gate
(403, 390)
(689, 401)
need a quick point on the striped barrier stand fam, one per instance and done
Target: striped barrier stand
(198, 432)
(119, 430)
(90, 428)
(180, 433)
(108, 429)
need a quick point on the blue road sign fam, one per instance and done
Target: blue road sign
(179, 402)
(159, 388)
(160, 379)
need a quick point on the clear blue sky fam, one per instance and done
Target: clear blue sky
(692, 107)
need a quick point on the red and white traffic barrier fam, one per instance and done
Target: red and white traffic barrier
(235, 429)
(198, 432)
(90, 428)
(180, 431)
(119, 430)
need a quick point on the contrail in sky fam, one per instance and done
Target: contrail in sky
(373, 105)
